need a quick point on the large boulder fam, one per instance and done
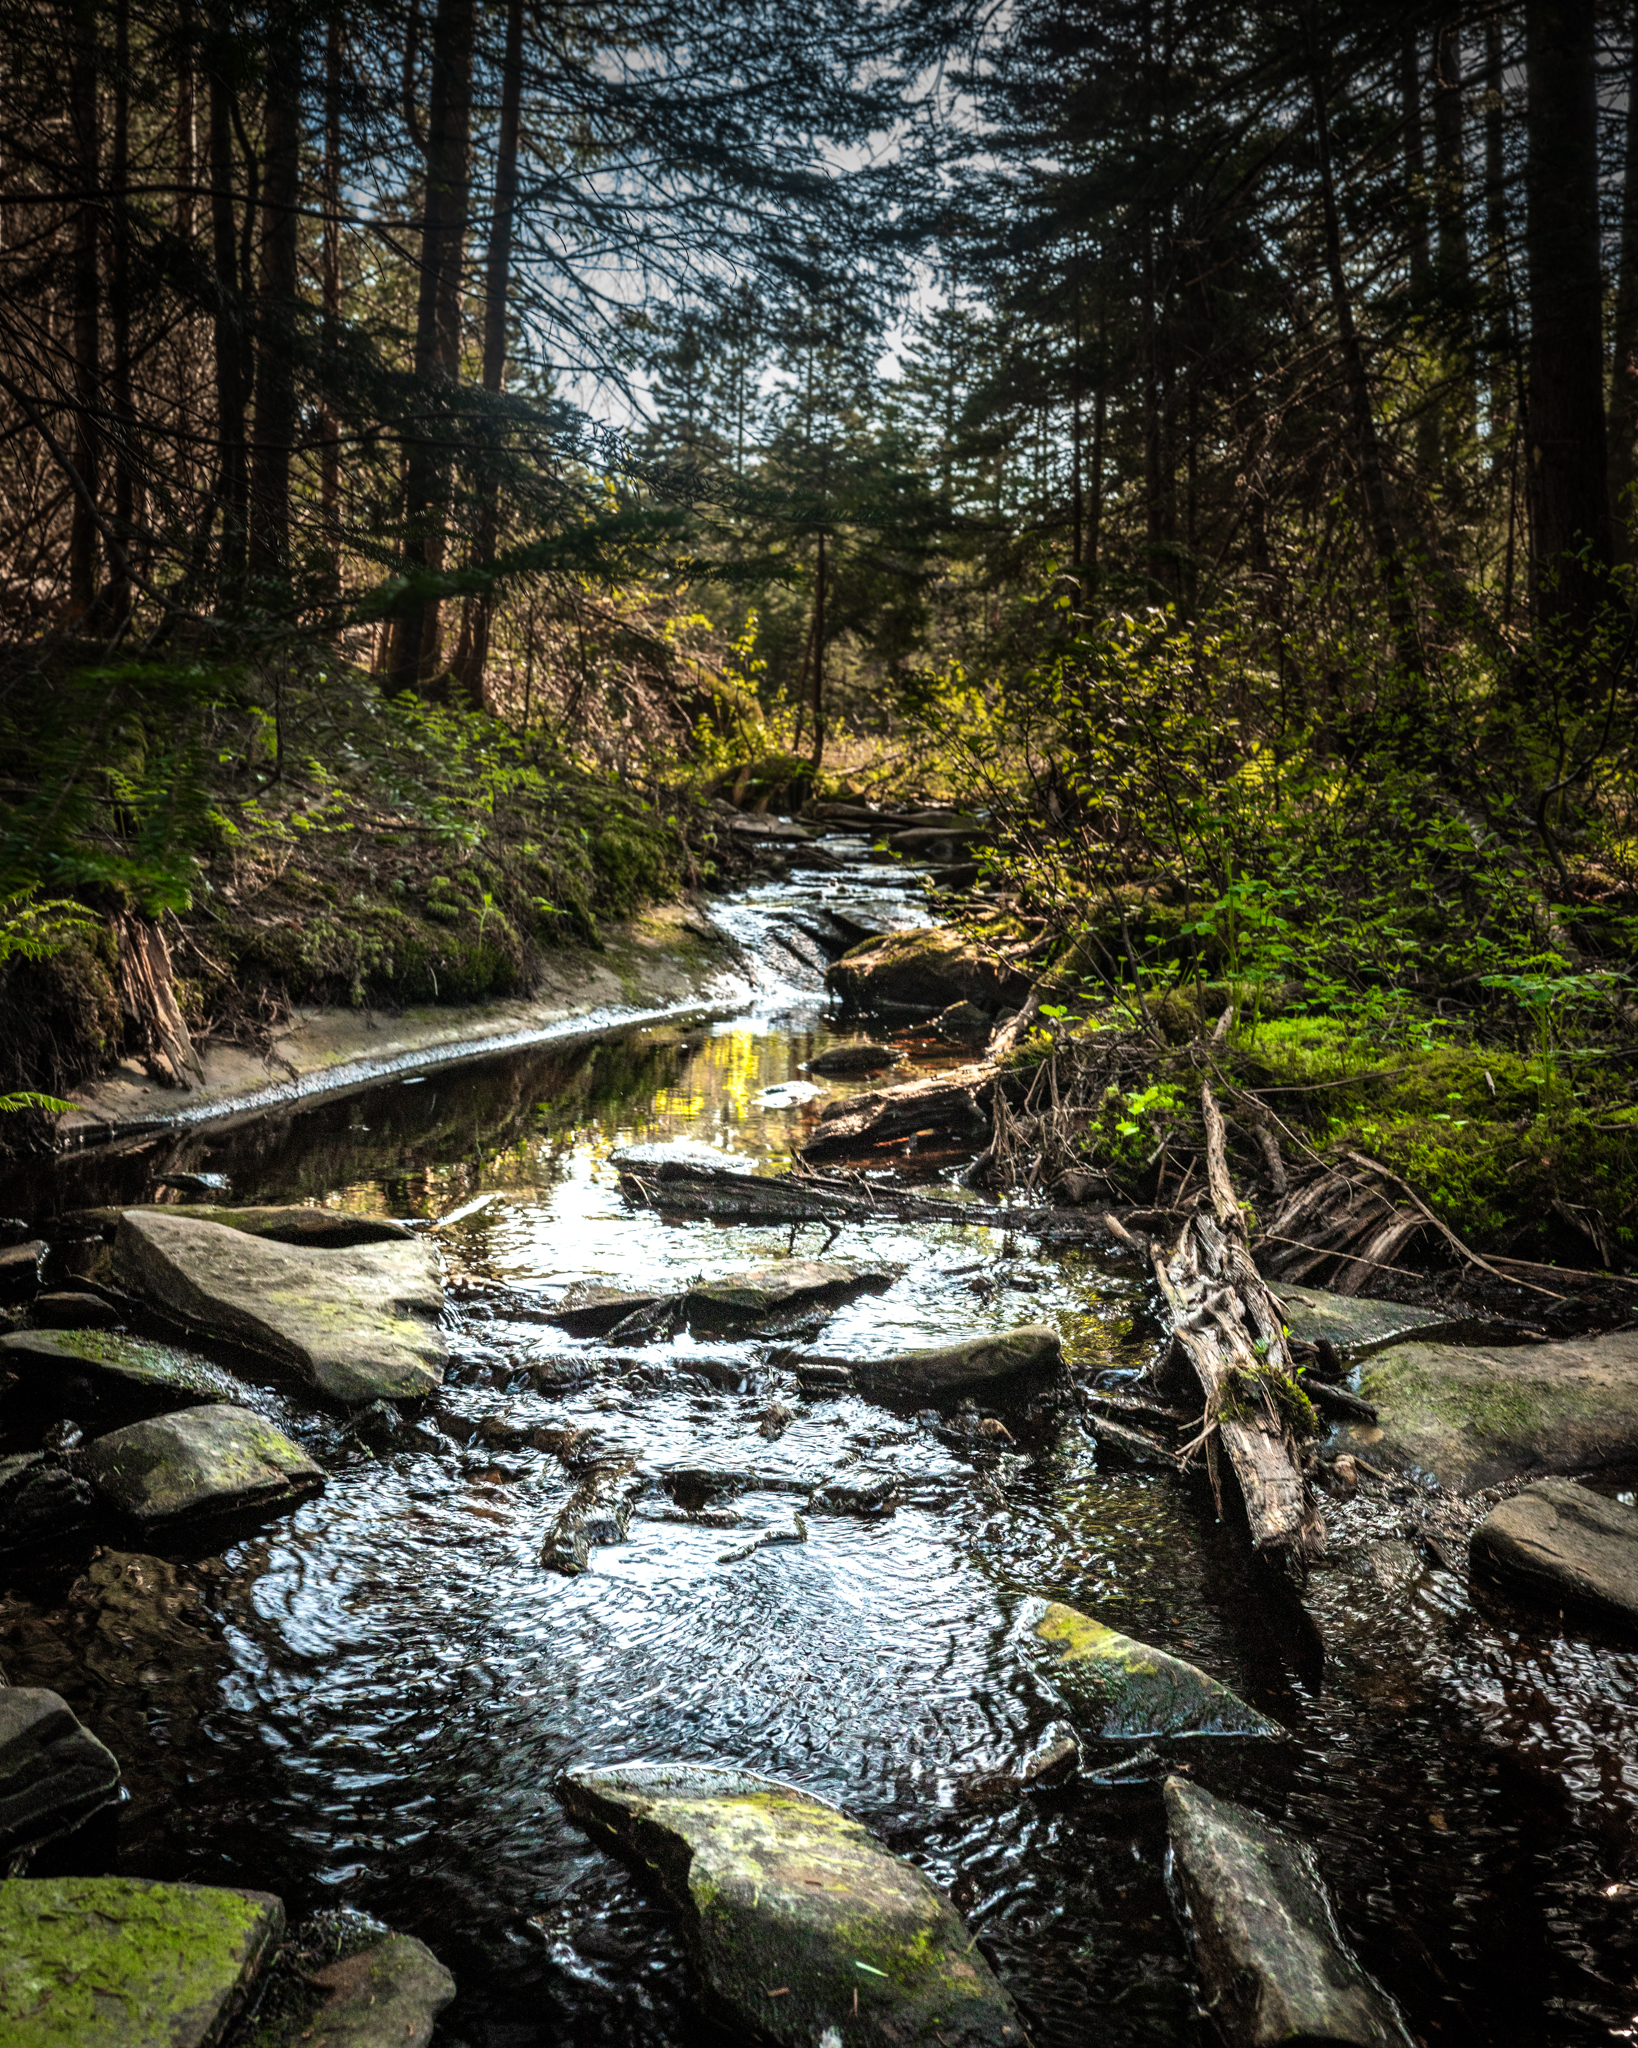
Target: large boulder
(284, 1223)
(802, 1927)
(202, 1461)
(119, 1962)
(1467, 1417)
(925, 970)
(1560, 1543)
(942, 1369)
(1127, 1691)
(112, 1368)
(355, 1322)
(53, 1772)
(1275, 1971)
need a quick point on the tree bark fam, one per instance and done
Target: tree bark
(417, 647)
(276, 321)
(187, 127)
(330, 296)
(119, 310)
(228, 339)
(473, 657)
(819, 660)
(87, 438)
(1453, 272)
(1568, 466)
(1624, 368)
(1419, 245)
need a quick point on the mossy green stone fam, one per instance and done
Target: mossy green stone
(217, 1460)
(804, 1928)
(1357, 1324)
(114, 1364)
(1124, 1690)
(1466, 1418)
(117, 1962)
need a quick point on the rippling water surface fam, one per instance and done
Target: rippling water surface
(403, 1682)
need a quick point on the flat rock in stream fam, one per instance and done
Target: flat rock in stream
(942, 1369)
(856, 1059)
(1565, 1545)
(112, 1367)
(1359, 1325)
(53, 1772)
(780, 1892)
(1275, 1971)
(789, 1285)
(352, 1321)
(203, 1461)
(285, 1223)
(120, 1962)
(1467, 1417)
(1127, 1691)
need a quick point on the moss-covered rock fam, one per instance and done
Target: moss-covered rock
(118, 1962)
(1358, 1325)
(1124, 1690)
(203, 1461)
(355, 1322)
(53, 1772)
(1565, 1545)
(944, 1368)
(111, 1367)
(802, 1927)
(925, 970)
(1466, 1417)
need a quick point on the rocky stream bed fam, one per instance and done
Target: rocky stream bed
(492, 1559)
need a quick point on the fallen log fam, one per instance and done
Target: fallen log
(951, 1104)
(1228, 1328)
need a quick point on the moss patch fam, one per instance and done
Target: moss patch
(1125, 1690)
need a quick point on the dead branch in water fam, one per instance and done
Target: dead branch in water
(1229, 1329)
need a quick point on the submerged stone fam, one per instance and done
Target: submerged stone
(1124, 1690)
(40, 1499)
(1274, 1968)
(594, 1311)
(804, 1928)
(353, 1321)
(119, 1962)
(1561, 1543)
(1466, 1417)
(217, 1460)
(388, 1996)
(113, 1366)
(943, 1369)
(53, 1772)
(597, 1513)
(841, 1060)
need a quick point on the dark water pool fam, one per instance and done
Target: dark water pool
(395, 1682)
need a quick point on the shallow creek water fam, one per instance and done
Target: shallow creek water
(400, 1682)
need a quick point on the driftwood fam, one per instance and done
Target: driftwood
(1229, 1329)
(949, 1105)
(147, 995)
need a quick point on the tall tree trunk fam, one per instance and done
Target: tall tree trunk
(416, 642)
(229, 337)
(1452, 269)
(276, 319)
(1568, 455)
(1501, 367)
(1418, 245)
(330, 294)
(187, 126)
(1373, 482)
(473, 657)
(819, 660)
(119, 310)
(1624, 371)
(86, 455)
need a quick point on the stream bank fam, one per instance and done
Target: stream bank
(366, 1701)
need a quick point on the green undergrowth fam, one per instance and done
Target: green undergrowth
(299, 838)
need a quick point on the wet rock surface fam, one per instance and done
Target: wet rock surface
(41, 1501)
(1467, 1417)
(927, 971)
(1121, 1690)
(1564, 1545)
(388, 1995)
(1357, 1325)
(598, 1512)
(53, 1772)
(856, 1059)
(203, 1461)
(353, 1322)
(942, 1368)
(283, 1223)
(781, 1893)
(118, 1962)
(1275, 1969)
(111, 1368)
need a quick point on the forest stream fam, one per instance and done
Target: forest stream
(389, 1683)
